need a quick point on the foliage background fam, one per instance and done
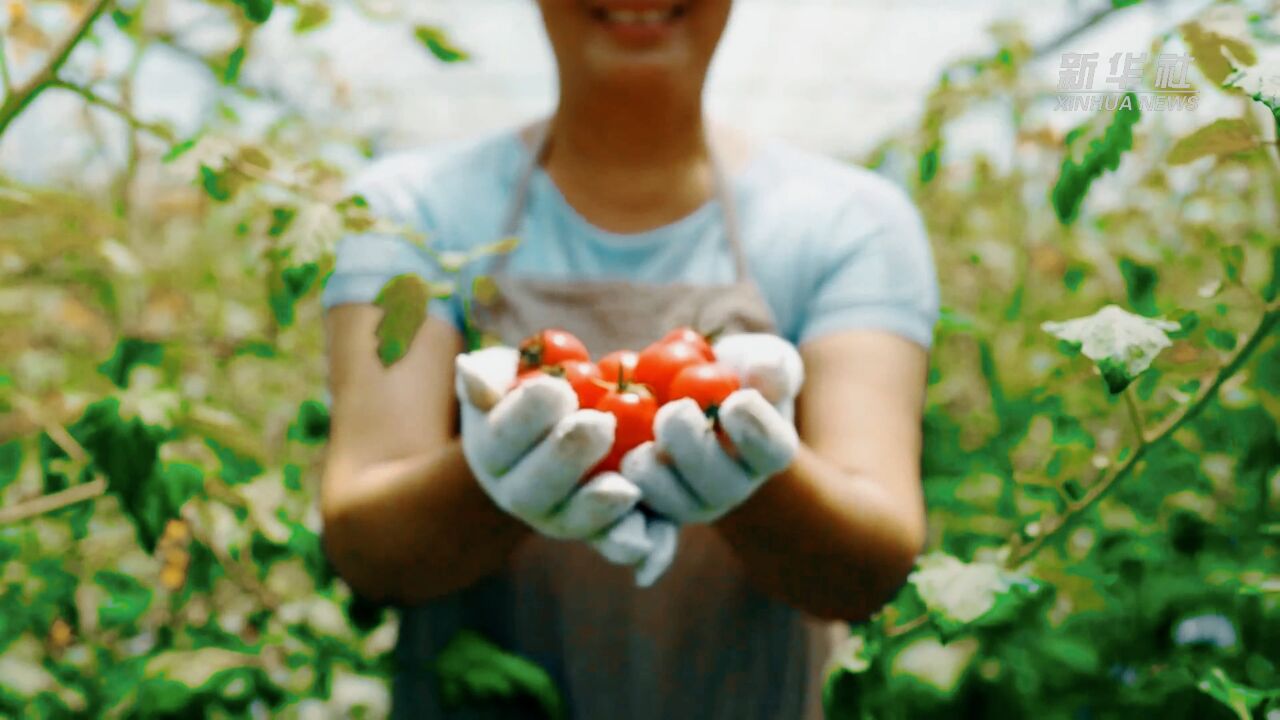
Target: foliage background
(1096, 553)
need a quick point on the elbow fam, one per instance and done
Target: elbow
(350, 539)
(879, 583)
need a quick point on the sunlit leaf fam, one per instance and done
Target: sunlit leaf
(1122, 344)
(404, 308)
(1090, 155)
(470, 669)
(958, 594)
(1221, 137)
(1215, 53)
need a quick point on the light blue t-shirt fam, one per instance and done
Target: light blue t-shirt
(832, 246)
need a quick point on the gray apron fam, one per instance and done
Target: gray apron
(700, 643)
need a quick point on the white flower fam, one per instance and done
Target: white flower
(958, 590)
(1121, 343)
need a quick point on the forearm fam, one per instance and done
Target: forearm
(833, 544)
(415, 528)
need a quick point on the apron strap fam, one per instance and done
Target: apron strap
(723, 191)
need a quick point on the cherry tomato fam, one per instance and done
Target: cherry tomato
(586, 380)
(525, 376)
(551, 347)
(659, 363)
(619, 365)
(694, 338)
(707, 384)
(634, 408)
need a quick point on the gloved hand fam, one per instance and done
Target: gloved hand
(687, 474)
(530, 448)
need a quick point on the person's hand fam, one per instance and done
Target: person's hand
(690, 473)
(530, 448)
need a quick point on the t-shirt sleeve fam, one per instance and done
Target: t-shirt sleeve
(875, 270)
(365, 262)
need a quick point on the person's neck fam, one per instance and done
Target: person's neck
(627, 164)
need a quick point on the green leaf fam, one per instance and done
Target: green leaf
(312, 425)
(929, 165)
(1225, 136)
(10, 464)
(127, 453)
(236, 468)
(180, 149)
(1272, 290)
(470, 668)
(127, 599)
(311, 15)
(187, 682)
(215, 184)
(288, 287)
(1241, 699)
(256, 10)
(1099, 154)
(404, 307)
(435, 40)
(1221, 339)
(1140, 285)
(232, 71)
(129, 353)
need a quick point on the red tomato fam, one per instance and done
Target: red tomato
(707, 384)
(585, 378)
(551, 347)
(524, 376)
(634, 408)
(619, 365)
(659, 363)
(694, 338)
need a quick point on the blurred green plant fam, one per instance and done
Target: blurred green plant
(1102, 453)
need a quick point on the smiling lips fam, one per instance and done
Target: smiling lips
(638, 15)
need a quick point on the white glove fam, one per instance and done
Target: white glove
(767, 363)
(529, 449)
(687, 474)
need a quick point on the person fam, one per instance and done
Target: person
(635, 213)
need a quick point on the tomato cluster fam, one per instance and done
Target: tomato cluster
(631, 385)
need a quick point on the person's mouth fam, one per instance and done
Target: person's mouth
(639, 20)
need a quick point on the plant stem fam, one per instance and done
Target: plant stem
(1135, 416)
(6, 82)
(1266, 325)
(160, 131)
(53, 501)
(16, 101)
